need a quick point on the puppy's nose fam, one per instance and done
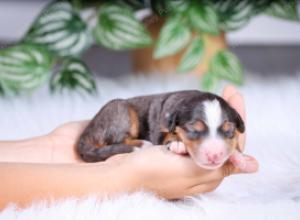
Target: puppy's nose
(214, 157)
(214, 154)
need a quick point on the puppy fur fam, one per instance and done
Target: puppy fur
(189, 116)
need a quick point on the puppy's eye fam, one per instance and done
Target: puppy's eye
(227, 129)
(196, 130)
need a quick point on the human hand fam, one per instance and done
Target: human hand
(64, 140)
(170, 175)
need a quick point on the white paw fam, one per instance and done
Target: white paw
(146, 144)
(177, 147)
(136, 149)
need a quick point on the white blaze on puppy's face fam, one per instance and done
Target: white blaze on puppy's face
(213, 116)
(213, 151)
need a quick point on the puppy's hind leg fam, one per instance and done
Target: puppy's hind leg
(109, 132)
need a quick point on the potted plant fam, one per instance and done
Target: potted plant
(178, 35)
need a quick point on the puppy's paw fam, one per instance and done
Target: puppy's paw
(177, 147)
(146, 144)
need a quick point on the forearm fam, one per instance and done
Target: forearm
(51, 182)
(35, 150)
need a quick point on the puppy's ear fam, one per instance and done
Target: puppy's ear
(237, 119)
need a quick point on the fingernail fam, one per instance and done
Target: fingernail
(249, 158)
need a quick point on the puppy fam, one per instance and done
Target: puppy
(204, 122)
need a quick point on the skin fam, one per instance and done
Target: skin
(47, 168)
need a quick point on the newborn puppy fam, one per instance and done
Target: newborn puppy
(204, 122)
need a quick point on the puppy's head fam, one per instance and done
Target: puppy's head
(209, 128)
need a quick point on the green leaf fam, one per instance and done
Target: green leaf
(174, 36)
(284, 9)
(73, 75)
(192, 56)
(204, 18)
(118, 29)
(234, 14)
(227, 66)
(135, 4)
(61, 29)
(209, 82)
(159, 7)
(178, 5)
(24, 67)
(2, 91)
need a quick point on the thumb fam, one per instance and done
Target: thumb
(250, 165)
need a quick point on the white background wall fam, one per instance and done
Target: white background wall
(15, 17)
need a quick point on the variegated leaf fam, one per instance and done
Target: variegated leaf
(284, 9)
(61, 29)
(178, 5)
(209, 82)
(2, 90)
(24, 67)
(192, 56)
(73, 75)
(227, 66)
(159, 7)
(118, 29)
(204, 18)
(174, 36)
(234, 14)
(135, 4)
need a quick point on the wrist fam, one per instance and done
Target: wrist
(110, 178)
(35, 150)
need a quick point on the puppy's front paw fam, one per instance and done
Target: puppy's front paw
(177, 147)
(146, 144)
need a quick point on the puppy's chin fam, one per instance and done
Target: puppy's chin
(209, 166)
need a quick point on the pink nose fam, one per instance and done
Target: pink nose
(214, 157)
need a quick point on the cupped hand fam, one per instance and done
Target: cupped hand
(170, 175)
(64, 140)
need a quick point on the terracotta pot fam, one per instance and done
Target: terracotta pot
(143, 61)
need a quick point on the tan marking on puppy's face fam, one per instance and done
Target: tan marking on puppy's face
(191, 145)
(170, 138)
(199, 126)
(227, 127)
(233, 142)
(230, 135)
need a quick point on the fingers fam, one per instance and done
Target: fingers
(238, 160)
(237, 102)
(249, 165)
(235, 99)
(228, 92)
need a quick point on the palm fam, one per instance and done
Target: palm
(64, 139)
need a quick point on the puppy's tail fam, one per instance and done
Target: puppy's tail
(90, 153)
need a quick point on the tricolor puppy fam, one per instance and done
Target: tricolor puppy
(204, 122)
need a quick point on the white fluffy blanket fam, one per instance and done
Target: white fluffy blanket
(273, 130)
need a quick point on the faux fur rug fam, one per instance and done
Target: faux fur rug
(273, 132)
